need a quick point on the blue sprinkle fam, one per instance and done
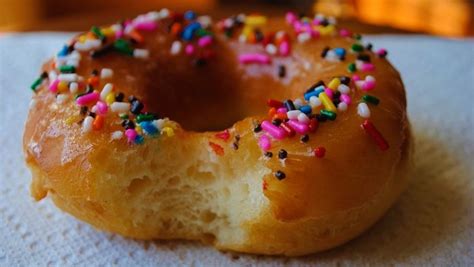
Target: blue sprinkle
(148, 127)
(190, 15)
(63, 52)
(305, 109)
(139, 139)
(188, 32)
(340, 51)
(316, 92)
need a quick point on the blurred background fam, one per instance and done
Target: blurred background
(453, 18)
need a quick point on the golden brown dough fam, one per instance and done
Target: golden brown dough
(202, 175)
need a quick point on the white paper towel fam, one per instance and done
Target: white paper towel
(432, 223)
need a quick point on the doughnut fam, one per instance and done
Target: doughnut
(277, 136)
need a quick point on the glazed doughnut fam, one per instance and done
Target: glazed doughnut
(261, 135)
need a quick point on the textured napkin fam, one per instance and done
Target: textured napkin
(431, 224)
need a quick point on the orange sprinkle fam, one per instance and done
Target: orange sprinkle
(93, 81)
(281, 116)
(98, 122)
(272, 112)
(176, 28)
(136, 36)
(217, 148)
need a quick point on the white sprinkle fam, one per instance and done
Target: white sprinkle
(344, 89)
(68, 77)
(279, 34)
(52, 75)
(298, 103)
(293, 114)
(164, 13)
(271, 49)
(205, 21)
(359, 84)
(116, 27)
(153, 15)
(32, 103)
(331, 56)
(314, 101)
(141, 53)
(159, 124)
(87, 124)
(94, 109)
(72, 62)
(106, 73)
(359, 64)
(75, 55)
(117, 135)
(73, 87)
(228, 23)
(303, 118)
(106, 90)
(61, 98)
(363, 110)
(176, 47)
(370, 78)
(303, 37)
(342, 106)
(120, 107)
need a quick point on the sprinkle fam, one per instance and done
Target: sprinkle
(273, 130)
(254, 58)
(284, 48)
(102, 107)
(282, 154)
(289, 105)
(53, 87)
(255, 20)
(357, 47)
(117, 135)
(299, 127)
(224, 135)
(189, 49)
(344, 89)
(67, 69)
(205, 41)
(320, 152)
(303, 37)
(346, 99)
(146, 26)
(334, 83)
(303, 118)
(87, 124)
(268, 154)
(149, 127)
(326, 101)
(145, 117)
(342, 106)
(274, 103)
(293, 114)
(106, 73)
(363, 110)
(264, 142)
(280, 175)
(136, 107)
(370, 99)
(271, 49)
(131, 134)
(87, 99)
(328, 114)
(314, 101)
(68, 77)
(281, 71)
(375, 135)
(351, 67)
(119, 107)
(168, 131)
(96, 30)
(176, 47)
(123, 46)
(219, 150)
(289, 131)
(98, 122)
(141, 53)
(257, 128)
(188, 31)
(382, 53)
(306, 109)
(304, 138)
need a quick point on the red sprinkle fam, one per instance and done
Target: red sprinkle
(313, 125)
(274, 103)
(370, 129)
(320, 152)
(217, 148)
(224, 135)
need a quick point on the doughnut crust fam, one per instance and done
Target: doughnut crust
(203, 183)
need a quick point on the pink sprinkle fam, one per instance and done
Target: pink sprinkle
(131, 135)
(290, 17)
(146, 26)
(315, 33)
(355, 78)
(381, 52)
(346, 99)
(298, 27)
(282, 110)
(101, 107)
(88, 99)
(273, 130)
(119, 34)
(329, 92)
(53, 87)
(254, 58)
(264, 143)
(368, 67)
(205, 41)
(285, 48)
(189, 50)
(344, 33)
(316, 22)
(299, 127)
(368, 85)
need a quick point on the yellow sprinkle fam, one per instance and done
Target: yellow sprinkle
(328, 105)
(62, 86)
(334, 83)
(328, 30)
(168, 131)
(247, 31)
(108, 32)
(110, 98)
(82, 38)
(138, 128)
(255, 21)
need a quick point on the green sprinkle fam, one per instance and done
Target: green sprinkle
(351, 68)
(371, 99)
(202, 32)
(357, 36)
(124, 116)
(144, 117)
(357, 47)
(328, 114)
(96, 30)
(67, 69)
(123, 46)
(36, 83)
